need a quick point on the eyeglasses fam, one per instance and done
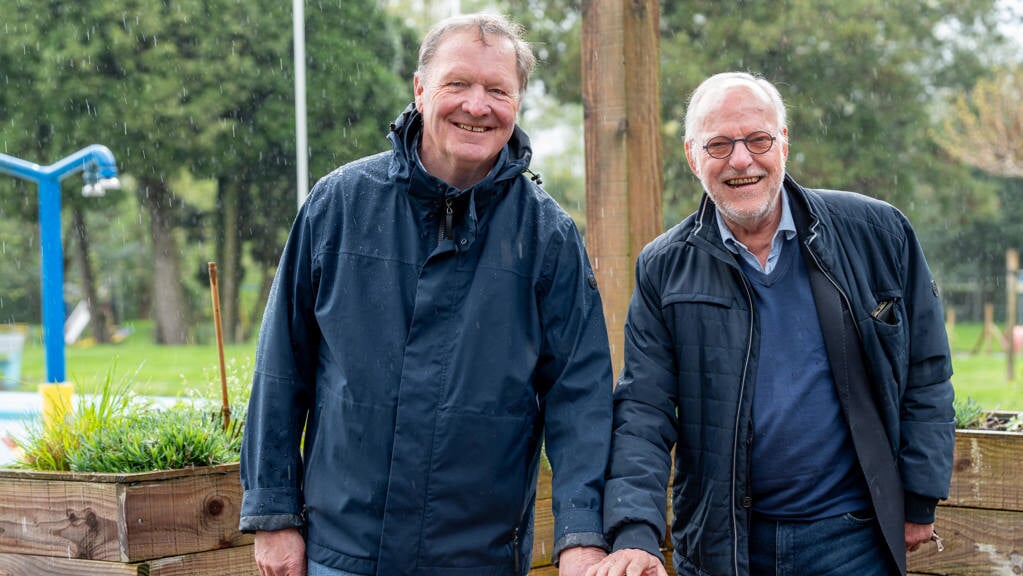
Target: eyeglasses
(721, 147)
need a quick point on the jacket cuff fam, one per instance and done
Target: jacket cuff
(920, 509)
(638, 535)
(249, 524)
(580, 539)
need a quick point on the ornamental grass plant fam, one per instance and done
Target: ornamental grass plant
(971, 416)
(109, 429)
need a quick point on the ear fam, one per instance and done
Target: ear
(418, 90)
(785, 144)
(691, 159)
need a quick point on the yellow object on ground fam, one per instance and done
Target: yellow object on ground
(56, 401)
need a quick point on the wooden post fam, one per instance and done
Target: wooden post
(950, 326)
(621, 107)
(989, 332)
(1011, 268)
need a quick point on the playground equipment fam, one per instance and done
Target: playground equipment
(99, 170)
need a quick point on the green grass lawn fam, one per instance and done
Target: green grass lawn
(175, 370)
(152, 369)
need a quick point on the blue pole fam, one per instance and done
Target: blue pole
(100, 172)
(53, 277)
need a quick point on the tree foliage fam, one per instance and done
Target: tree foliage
(202, 88)
(984, 128)
(863, 82)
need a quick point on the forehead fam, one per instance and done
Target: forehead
(738, 107)
(463, 51)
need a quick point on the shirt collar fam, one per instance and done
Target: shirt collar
(786, 231)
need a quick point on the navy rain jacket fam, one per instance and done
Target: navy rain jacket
(691, 342)
(428, 371)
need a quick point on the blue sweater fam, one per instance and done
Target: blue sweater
(804, 466)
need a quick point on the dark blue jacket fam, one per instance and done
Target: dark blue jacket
(427, 372)
(691, 343)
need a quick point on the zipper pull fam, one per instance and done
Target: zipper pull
(444, 225)
(449, 215)
(515, 549)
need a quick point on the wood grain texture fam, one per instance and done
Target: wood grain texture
(238, 561)
(987, 470)
(118, 517)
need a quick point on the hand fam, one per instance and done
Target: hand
(280, 553)
(575, 561)
(629, 562)
(917, 534)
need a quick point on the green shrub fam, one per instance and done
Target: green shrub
(110, 429)
(969, 414)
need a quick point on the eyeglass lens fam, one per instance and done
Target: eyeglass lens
(721, 147)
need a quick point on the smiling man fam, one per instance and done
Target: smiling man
(433, 321)
(787, 347)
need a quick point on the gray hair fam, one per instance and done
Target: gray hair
(486, 25)
(713, 88)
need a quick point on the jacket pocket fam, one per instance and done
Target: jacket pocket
(886, 329)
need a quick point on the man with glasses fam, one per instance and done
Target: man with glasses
(788, 345)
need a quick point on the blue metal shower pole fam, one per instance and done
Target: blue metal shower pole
(100, 172)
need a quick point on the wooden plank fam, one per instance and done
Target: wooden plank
(118, 478)
(182, 515)
(543, 482)
(543, 533)
(986, 472)
(236, 561)
(977, 541)
(63, 519)
(30, 565)
(120, 518)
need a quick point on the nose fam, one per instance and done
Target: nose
(741, 157)
(476, 101)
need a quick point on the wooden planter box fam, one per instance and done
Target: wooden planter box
(169, 523)
(981, 523)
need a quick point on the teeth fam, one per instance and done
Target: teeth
(743, 181)
(472, 128)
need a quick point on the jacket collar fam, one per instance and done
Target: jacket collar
(406, 167)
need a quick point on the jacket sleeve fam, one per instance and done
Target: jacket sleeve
(575, 371)
(927, 415)
(644, 425)
(282, 391)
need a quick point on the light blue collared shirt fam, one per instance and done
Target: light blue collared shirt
(786, 230)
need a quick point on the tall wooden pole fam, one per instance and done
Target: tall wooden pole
(1011, 269)
(621, 107)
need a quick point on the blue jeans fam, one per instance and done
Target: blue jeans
(848, 544)
(314, 569)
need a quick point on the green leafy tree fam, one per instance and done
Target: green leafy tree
(861, 80)
(984, 128)
(200, 87)
(857, 77)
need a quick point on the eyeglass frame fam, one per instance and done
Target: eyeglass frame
(745, 142)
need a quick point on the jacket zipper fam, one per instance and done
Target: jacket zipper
(738, 416)
(444, 228)
(515, 549)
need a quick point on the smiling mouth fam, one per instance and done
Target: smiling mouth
(471, 128)
(736, 182)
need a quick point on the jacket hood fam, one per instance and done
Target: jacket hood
(405, 134)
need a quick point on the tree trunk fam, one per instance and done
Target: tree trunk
(229, 254)
(621, 109)
(170, 311)
(97, 315)
(256, 314)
